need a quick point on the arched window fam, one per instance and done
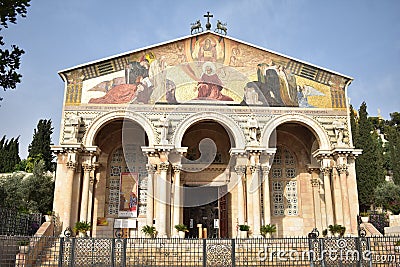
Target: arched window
(132, 160)
(284, 183)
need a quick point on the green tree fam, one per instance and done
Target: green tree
(353, 124)
(369, 165)
(10, 59)
(9, 154)
(28, 193)
(38, 198)
(39, 148)
(387, 195)
(21, 166)
(392, 134)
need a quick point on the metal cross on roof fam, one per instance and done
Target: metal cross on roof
(208, 16)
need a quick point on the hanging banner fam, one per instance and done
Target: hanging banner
(128, 195)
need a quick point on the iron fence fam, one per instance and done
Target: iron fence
(379, 221)
(63, 251)
(15, 223)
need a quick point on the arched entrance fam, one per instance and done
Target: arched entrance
(291, 192)
(120, 142)
(205, 176)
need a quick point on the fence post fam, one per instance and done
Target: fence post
(363, 244)
(321, 258)
(204, 253)
(61, 252)
(233, 256)
(113, 252)
(312, 244)
(72, 258)
(124, 246)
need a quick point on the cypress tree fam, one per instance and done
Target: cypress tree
(369, 165)
(2, 160)
(393, 145)
(9, 154)
(353, 124)
(40, 145)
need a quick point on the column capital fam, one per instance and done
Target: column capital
(163, 166)
(254, 168)
(177, 168)
(326, 170)
(315, 182)
(91, 180)
(240, 169)
(312, 169)
(87, 167)
(342, 169)
(265, 169)
(151, 168)
(71, 165)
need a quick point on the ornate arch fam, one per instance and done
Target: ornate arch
(233, 129)
(314, 126)
(99, 122)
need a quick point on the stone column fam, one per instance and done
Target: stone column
(255, 196)
(328, 195)
(71, 165)
(87, 168)
(337, 197)
(90, 197)
(177, 195)
(150, 194)
(353, 193)
(342, 169)
(316, 200)
(266, 195)
(240, 171)
(161, 217)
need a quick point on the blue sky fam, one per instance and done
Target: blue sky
(359, 38)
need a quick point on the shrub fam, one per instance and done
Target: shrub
(82, 227)
(267, 229)
(149, 230)
(337, 229)
(181, 228)
(244, 227)
(324, 232)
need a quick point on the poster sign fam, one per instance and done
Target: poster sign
(125, 223)
(128, 195)
(216, 223)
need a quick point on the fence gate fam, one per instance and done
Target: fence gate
(218, 252)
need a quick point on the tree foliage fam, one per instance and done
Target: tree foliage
(39, 148)
(353, 124)
(387, 195)
(392, 134)
(10, 58)
(380, 141)
(28, 193)
(369, 165)
(9, 154)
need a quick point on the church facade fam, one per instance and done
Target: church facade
(206, 131)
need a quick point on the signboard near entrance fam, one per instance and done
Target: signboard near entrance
(128, 195)
(216, 223)
(125, 223)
